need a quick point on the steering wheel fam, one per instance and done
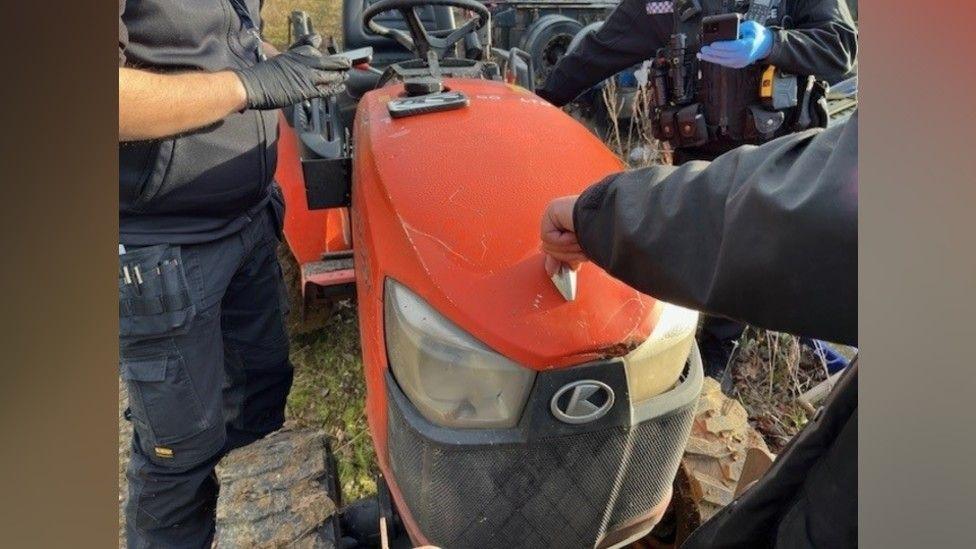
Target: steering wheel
(420, 40)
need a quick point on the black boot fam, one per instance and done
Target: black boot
(717, 340)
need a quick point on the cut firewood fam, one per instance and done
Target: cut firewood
(714, 460)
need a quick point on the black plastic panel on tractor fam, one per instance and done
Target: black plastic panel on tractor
(328, 182)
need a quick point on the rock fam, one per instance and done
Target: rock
(125, 446)
(273, 493)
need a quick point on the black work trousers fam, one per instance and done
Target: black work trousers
(204, 355)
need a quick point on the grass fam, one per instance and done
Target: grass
(771, 371)
(326, 18)
(329, 393)
(329, 390)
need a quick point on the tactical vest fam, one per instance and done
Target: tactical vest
(720, 103)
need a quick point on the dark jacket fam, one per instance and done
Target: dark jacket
(766, 235)
(206, 183)
(820, 39)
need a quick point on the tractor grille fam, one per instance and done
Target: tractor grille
(565, 491)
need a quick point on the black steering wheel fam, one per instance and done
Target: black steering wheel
(420, 40)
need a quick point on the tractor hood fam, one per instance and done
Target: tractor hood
(455, 202)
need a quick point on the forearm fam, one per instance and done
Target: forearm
(153, 106)
(823, 42)
(766, 235)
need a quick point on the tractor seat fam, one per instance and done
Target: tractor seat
(386, 50)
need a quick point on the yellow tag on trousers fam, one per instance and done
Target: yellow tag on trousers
(164, 452)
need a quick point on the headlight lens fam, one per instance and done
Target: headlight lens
(453, 379)
(656, 365)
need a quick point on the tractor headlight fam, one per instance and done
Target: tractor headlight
(656, 365)
(453, 379)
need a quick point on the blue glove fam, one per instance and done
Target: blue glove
(754, 43)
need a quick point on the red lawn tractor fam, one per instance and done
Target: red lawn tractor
(503, 414)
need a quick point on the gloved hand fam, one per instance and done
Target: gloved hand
(293, 76)
(754, 43)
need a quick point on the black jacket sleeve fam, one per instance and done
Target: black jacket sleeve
(628, 36)
(766, 235)
(819, 38)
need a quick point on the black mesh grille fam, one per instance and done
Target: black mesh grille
(560, 492)
(657, 448)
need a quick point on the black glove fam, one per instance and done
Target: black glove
(299, 73)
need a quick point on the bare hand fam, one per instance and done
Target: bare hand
(559, 241)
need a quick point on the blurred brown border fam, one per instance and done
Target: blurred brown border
(59, 227)
(917, 274)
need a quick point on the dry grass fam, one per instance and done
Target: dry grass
(326, 18)
(633, 142)
(770, 371)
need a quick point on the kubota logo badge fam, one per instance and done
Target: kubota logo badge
(582, 401)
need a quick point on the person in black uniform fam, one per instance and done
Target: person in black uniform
(707, 97)
(765, 235)
(203, 348)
